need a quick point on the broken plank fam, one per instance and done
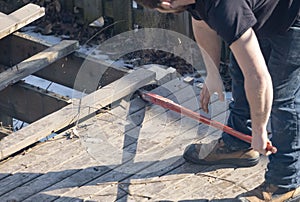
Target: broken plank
(36, 62)
(69, 114)
(20, 18)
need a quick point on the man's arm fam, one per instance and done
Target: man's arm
(209, 41)
(258, 86)
(210, 45)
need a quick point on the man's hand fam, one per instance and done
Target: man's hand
(259, 143)
(213, 84)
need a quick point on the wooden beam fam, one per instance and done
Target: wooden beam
(69, 114)
(31, 103)
(20, 18)
(36, 62)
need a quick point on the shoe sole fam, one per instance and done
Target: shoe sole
(234, 162)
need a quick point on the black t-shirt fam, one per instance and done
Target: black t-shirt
(231, 18)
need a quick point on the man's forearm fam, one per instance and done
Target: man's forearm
(259, 95)
(258, 84)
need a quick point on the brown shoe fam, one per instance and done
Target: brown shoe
(270, 193)
(217, 153)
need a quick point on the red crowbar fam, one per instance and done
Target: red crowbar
(169, 104)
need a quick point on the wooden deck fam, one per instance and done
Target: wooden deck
(132, 152)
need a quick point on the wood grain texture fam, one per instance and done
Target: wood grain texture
(20, 18)
(69, 114)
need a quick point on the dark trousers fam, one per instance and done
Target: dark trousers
(282, 54)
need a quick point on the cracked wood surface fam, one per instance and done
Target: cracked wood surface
(130, 153)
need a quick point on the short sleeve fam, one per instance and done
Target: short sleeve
(194, 12)
(230, 19)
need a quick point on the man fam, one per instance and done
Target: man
(264, 37)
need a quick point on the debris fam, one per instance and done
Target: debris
(98, 23)
(200, 85)
(74, 133)
(189, 80)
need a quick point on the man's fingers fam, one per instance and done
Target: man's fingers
(263, 150)
(221, 96)
(166, 4)
(204, 99)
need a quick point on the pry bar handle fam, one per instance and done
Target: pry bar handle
(169, 104)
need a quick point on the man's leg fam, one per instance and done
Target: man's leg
(239, 117)
(282, 179)
(284, 66)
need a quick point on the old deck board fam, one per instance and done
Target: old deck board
(34, 156)
(127, 167)
(55, 173)
(102, 126)
(36, 62)
(69, 114)
(28, 173)
(132, 175)
(173, 162)
(20, 18)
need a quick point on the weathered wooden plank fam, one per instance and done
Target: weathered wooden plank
(128, 131)
(58, 169)
(243, 179)
(20, 18)
(173, 163)
(83, 174)
(34, 156)
(31, 104)
(227, 186)
(63, 184)
(36, 62)
(84, 191)
(35, 170)
(69, 114)
(128, 167)
(104, 122)
(106, 186)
